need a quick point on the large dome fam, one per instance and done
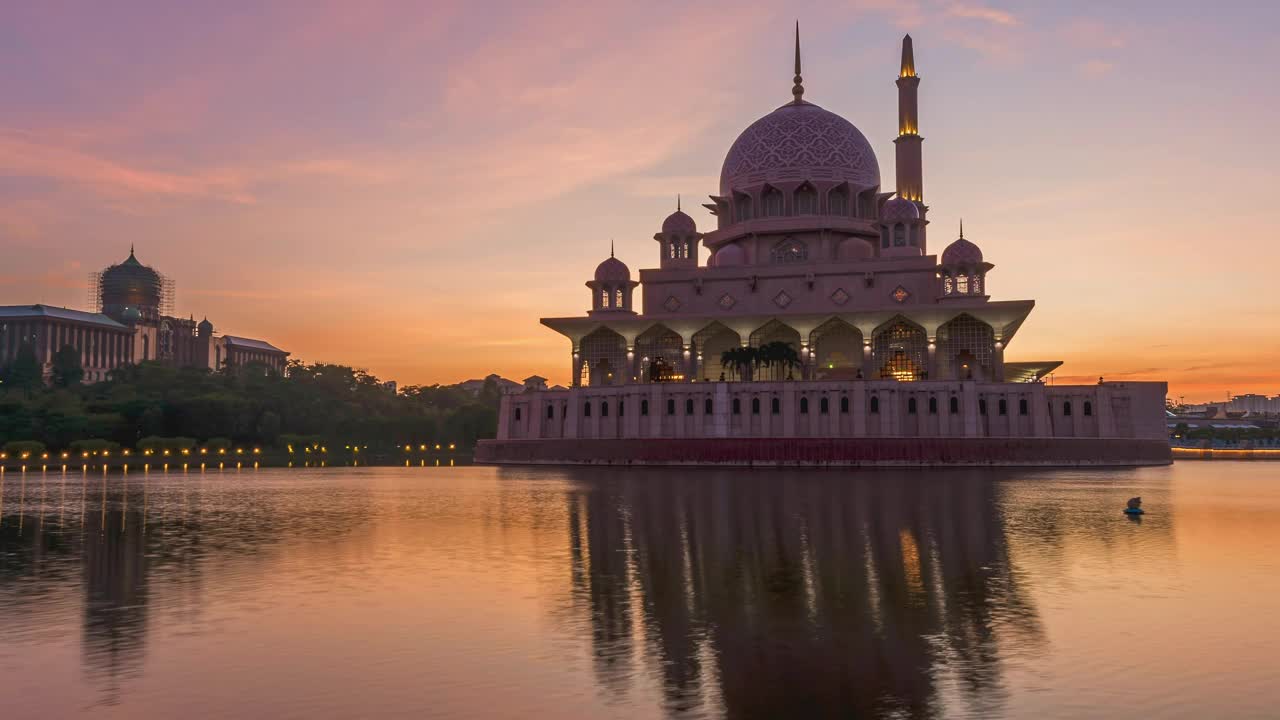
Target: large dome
(131, 284)
(799, 141)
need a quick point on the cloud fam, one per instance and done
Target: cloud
(1095, 68)
(985, 13)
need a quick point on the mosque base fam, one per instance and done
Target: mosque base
(830, 452)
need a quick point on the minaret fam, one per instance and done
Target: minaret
(909, 165)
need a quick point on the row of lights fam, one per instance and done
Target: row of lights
(424, 447)
(125, 453)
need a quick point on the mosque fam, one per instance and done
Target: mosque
(132, 322)
(821, 330)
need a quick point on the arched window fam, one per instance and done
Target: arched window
(755, 406)
(604, 298)
(742, 207)
(671, 406)
(975, 283)
(804, 406)
(982, 406)
(551, 412)
(1088, 408)
(586, 409)
(737, 406)
(884, 238)
(806, 200)
(622, 408)
(688, 406)
(774, 406)
(899, 235)
(584, 377)
(948, 285)
(604, 409)
(962, 284)
(838, 202)
(933, 406)
(844, 405)
(1004, 406)
(1022, 406)
(772, 202)
(875, 404)
(517, 413)
(911, 406)
(824, 406)
(1066, 407)
(955, 405)
(789, 251)
(644, 407)
(617, 299)
(706, 406)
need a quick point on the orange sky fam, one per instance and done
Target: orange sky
(409, 188)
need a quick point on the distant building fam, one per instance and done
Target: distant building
(132, 322)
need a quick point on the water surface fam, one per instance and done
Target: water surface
(593, 593)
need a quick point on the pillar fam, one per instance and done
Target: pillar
(997, 361)
(932, 367)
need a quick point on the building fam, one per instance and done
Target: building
(132, 322)
(876, 348)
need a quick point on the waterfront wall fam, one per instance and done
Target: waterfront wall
(620, 423)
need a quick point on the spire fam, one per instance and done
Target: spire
(130, 249)
(961, 228)
(610, 247)
(798, 89)
(678, 202)
(908, 58)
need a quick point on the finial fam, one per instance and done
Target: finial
(610, 247)
(130, 249)
(677, 202)
(798, 89)
(908, 58)
(961, 228)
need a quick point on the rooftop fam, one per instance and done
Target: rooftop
(32, 311)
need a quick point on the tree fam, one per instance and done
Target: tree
(24, 372)
(67, 370)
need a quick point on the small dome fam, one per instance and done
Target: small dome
(205, 326)
(899, 209)
(131, 315)
(678, 223)
(612, 270)
(962, 252)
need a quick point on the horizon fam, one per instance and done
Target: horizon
(365, 172)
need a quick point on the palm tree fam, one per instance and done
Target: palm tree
(741, 360)
(779, 356)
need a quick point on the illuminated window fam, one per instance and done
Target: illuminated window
(584, 377)
(948, 285)
(617, 298)
(976, 284)
(604, 298)
(789, 251)
(962, 284)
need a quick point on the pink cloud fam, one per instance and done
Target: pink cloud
(986, 13)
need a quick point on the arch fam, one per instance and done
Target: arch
(838, 201)
(806, 200)
(661, 353)
(824, 405)
(967, 348)
(617, 299)
(900, 351)
(710, 343)
(837, 350)
(875, 404)
(776, 331)
(742, 207)
(789, 250)
(899, 235)
(604, 298)
(867, 203)
(604, 358)
(804, 406)
(954, 408)
(604, 408)
(772, 203)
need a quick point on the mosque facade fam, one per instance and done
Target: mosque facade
(823, 321)
(132, 322)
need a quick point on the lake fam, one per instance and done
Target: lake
(641, 593)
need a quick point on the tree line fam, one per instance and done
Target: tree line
(333, 404)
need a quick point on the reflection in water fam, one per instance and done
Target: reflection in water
(408, 592)
(799, 594)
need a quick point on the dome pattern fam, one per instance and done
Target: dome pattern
(962, 252)
(899, 209)
(612, 270)
(796, 142)
(678, 223)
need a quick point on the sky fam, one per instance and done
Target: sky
(407, 187)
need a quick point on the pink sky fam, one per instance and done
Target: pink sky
(408, 187)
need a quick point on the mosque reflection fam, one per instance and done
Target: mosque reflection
(768, 594)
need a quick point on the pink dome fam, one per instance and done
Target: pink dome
(962, 252)
(612, 270)
(899, 209)
(799, 141)
(677, 223)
